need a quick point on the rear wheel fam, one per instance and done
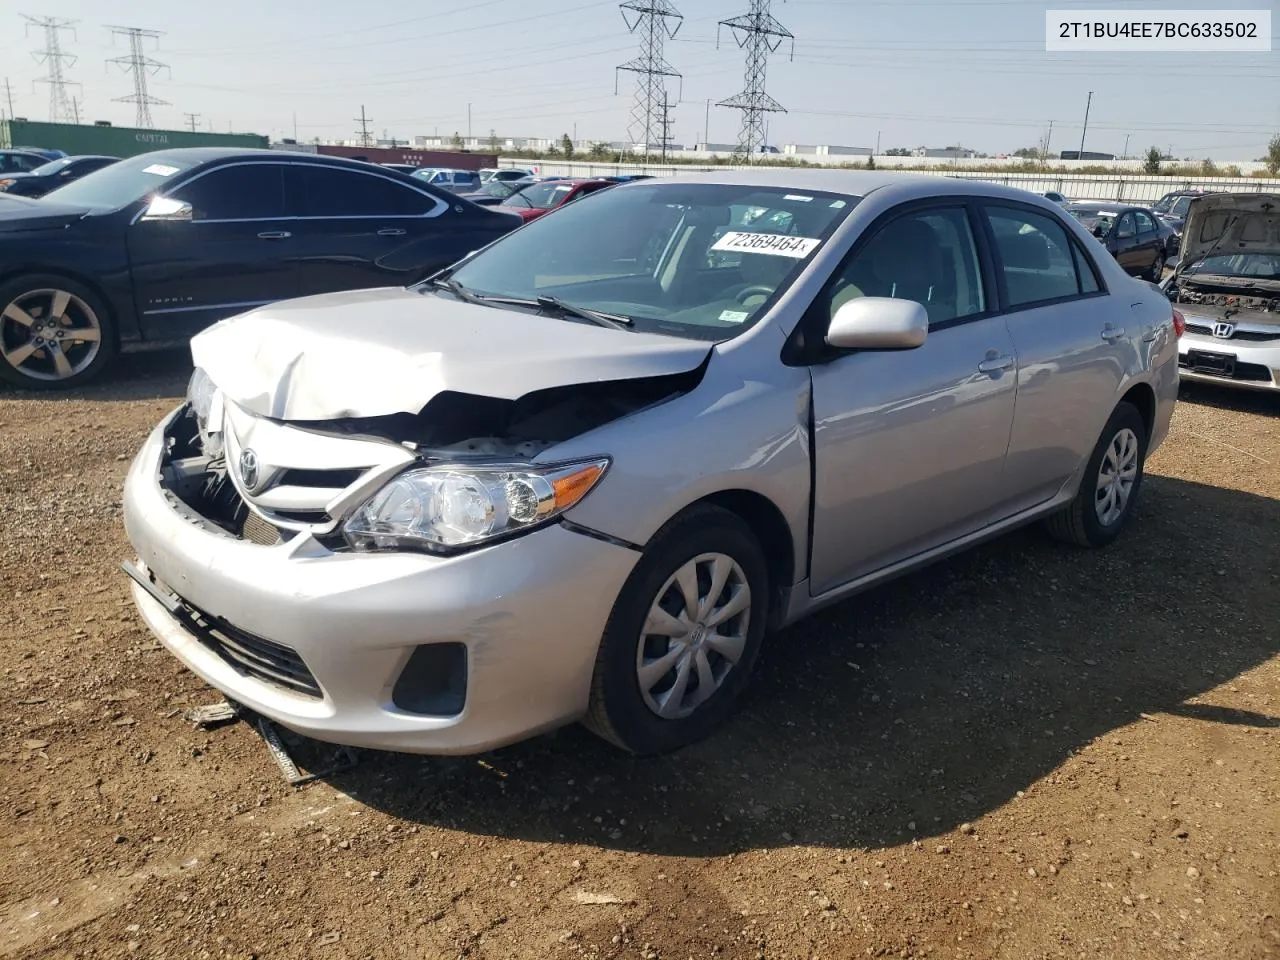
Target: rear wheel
(683, 636)
(54, 333)
(1157, 268)
(1111, 483)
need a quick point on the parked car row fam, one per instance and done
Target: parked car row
(153, 248)
(1140, 241)
(581, 473)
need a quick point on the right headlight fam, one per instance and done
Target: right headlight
(443, 508)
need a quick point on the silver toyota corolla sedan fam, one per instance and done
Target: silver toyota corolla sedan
(581, 474)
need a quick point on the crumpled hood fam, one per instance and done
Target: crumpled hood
(1257, 231)
(369, 353)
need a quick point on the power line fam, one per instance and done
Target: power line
(60, 109)
(759, 34)
(191, 119)
(8, 92)
(655, 22)
(141, 66)
(366, 140)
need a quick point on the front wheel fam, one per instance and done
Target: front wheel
(55, 333)
(683, 636)
(1110, 486)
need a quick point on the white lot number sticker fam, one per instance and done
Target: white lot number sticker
(774, 244)
(160, 170)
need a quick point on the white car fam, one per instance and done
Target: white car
(1227, 288)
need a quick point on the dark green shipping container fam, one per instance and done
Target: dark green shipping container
(81, 139)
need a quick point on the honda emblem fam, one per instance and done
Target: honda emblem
(1223, 331)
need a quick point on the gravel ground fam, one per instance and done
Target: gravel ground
(1024, 752)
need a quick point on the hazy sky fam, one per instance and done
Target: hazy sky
(913, 72)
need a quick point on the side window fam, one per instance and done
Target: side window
(1085, 270)
(1145, 223)
(927, 256)
(27, 164)
(334, 192)
(249, 191)
(1126, 228)
(1036, 257)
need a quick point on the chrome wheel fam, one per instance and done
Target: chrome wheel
(1116, 476)
(694, 634)
(49, 334)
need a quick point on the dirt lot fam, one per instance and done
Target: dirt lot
(1025, 752)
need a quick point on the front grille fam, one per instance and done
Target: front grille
(256, 530)
(1248, 372)
(1250, 335)
(253, 656)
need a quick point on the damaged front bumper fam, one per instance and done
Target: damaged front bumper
(394, 651)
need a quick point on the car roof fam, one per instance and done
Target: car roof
(199, 155)
(858, 183)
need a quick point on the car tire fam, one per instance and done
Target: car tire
(41, 350)
(1110, 486)
(635, 703)
(1156, 270)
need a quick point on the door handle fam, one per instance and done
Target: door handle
(995, 364)
(275, 235)
(1112, 334)
(391, 232)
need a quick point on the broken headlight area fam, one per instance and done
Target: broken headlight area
(446, 508)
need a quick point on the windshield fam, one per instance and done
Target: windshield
(701, 261)
(1256, 266)
(123, 182)
(499, 188)
(1179, 208)
(544, 196)
(1095, 219)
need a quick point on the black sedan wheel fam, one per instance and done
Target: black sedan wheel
(1156, 270)
(54, 333)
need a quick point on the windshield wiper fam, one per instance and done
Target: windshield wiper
(457, 289)
(615, 320)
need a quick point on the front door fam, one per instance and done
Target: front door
(910, 445)
(234, 254)
(1128, 248)
(1069, 365)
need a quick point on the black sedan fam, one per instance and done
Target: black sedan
(1136, 237)
(154, 248)
(52, 175)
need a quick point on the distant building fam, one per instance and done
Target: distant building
(1087, 155)
(947, 153)
(825, 150)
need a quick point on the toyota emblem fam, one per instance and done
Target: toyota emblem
(249, 468)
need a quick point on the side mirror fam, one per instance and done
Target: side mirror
(165, 208)
(878, 323)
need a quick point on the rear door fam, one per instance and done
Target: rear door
(1071, 358)
(358, 229)
(235, 253)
